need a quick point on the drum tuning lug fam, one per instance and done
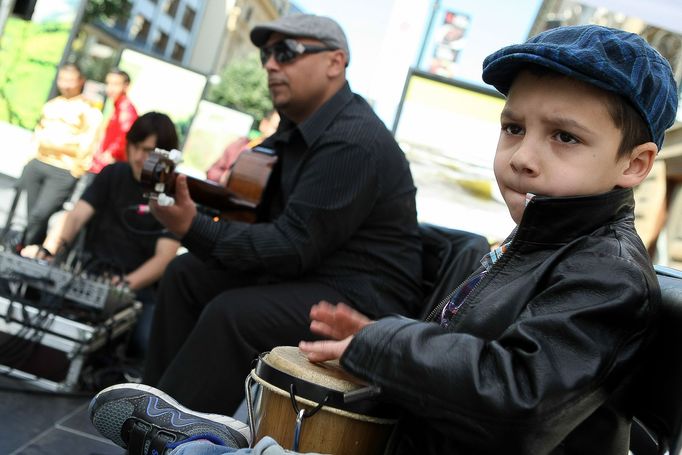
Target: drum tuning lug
(361, 394)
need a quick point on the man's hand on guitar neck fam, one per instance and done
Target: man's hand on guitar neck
(177, 217)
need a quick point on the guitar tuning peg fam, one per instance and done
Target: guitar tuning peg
(175, 155)
(164, 200)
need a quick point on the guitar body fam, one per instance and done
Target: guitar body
(250, 175)
(237, 201)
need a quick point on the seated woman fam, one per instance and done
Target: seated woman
(123, 239)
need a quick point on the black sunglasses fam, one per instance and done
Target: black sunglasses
(288, 49)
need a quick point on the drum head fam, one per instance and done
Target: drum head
(288, 370)
(289, 359)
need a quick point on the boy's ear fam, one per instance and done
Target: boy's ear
(640, 162)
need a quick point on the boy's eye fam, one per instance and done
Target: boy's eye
(566, 138)
(512, 129)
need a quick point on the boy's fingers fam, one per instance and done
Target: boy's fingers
(320, 328)
(321, 308)
(319, 351)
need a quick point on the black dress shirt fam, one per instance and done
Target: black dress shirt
(340, 211)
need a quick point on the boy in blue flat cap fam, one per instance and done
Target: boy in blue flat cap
(531, 354)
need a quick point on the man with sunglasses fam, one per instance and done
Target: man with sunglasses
(338, 223)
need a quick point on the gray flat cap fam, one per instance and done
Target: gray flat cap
(321, 28)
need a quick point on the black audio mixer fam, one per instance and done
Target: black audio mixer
(90, 291)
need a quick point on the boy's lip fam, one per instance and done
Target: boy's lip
(517, 191)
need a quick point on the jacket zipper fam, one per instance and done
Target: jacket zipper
(441, 305)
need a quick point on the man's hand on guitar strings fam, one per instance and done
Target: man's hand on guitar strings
(178, 217)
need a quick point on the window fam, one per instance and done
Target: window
(161, 42)
(188, 18)
(178, 52)
(171, 7)
(139, 31)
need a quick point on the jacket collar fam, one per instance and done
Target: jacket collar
(562, 219)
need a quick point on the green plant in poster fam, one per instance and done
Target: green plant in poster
(29, 55)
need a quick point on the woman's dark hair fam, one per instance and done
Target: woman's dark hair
(157, 124)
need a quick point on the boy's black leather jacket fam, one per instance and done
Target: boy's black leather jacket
(537, 359)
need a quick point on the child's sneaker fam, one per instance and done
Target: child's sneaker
(146, 421)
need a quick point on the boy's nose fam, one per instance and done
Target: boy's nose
(524, 160)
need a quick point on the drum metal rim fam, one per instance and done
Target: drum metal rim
(273, 388)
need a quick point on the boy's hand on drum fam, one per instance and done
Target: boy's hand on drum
(336, 321)
(339, 322)
(319, 351)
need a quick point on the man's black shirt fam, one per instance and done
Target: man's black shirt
(341, 211)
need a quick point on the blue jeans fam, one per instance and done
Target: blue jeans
(266, 446)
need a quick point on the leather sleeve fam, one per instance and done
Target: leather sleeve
(553, 364)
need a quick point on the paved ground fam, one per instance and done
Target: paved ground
(37, 422)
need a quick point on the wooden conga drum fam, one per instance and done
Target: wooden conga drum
(301, 405)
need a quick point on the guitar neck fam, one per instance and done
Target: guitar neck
(213, 195)
(236, 201)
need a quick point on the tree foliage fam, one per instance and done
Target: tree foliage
(106, 10)
(243, 86)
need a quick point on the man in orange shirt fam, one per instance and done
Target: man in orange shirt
(64, 137)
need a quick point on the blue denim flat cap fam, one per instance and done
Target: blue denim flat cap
(608, 58)
(321, 28)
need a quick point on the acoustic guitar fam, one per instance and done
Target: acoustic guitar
(237, 200)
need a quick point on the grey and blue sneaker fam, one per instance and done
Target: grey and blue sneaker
(147, 421)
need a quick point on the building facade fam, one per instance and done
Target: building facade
(201, 35)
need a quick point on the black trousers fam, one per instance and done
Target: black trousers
(210, 324)
(47, 188)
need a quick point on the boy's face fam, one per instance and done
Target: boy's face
(115, 85)
(557, 139)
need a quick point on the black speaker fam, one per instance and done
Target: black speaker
(24, 9)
